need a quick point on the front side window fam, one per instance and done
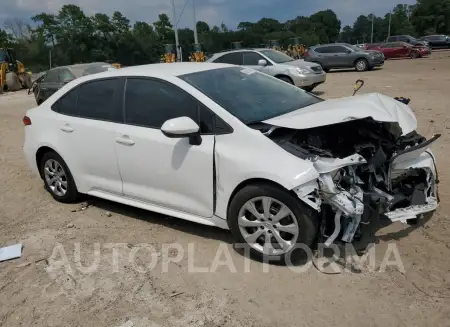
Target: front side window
(276, 56)
(52, 76)
(251, 58)
(65, 75)
(150, 103)
(249, 95)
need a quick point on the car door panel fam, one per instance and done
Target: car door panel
(169, 172)
(89, 148)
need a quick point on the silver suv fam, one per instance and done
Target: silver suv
(303, 74)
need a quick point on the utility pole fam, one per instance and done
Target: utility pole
(389, 28)
(195, 23)
(371, 34)
(50, 58)
(175, 29)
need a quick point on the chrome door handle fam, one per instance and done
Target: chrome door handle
(124, 140)
(67, 129)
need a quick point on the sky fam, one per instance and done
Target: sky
(214, 12)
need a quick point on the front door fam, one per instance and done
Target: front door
(251, 59)
(168, 172)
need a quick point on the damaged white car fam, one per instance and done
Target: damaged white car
(231, 147)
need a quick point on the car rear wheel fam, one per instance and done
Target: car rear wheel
(58, 178)
(361, 65)
(271, 222)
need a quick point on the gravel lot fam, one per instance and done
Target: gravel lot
(42, 289)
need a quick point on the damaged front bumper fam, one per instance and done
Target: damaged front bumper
(410, 191)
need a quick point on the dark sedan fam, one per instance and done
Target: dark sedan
(44, 86)
(437, 41)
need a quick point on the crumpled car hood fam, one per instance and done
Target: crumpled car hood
(379, 107)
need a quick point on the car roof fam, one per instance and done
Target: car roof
(239, 50)
(329, 44)
(161, 70)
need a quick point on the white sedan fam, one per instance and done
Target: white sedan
(230, 147)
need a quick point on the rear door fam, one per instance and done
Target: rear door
(86, 124)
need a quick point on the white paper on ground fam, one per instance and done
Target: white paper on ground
(10, 252)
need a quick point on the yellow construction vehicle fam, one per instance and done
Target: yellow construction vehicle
(170, 53)
(13, 76)
(275, 44)
(117, 65)
(295, 49)
(198, 55)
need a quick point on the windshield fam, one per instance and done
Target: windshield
(249, 95)
(276, 56)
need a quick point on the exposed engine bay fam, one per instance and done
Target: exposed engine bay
(368, 169)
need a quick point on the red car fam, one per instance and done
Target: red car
(399, 50)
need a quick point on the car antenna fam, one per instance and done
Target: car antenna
(358, 85)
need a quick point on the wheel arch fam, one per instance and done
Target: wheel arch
(284, 76)
(252, 181)
(359, 58)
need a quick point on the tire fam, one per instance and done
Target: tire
(12, 82)
(53, 162)
(361, 65)
(302, 220)
(286, 79)
(414, 54)
(309, 88)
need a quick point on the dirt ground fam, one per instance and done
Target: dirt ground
(42, 289)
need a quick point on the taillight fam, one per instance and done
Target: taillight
(306, 54)
(26, 120)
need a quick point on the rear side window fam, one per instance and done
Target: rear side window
(321, 50)
(67, 105)
(230, 58)
(95, 100)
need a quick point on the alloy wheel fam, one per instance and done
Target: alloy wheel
(55, 177)
(268, 226)
(361, 65)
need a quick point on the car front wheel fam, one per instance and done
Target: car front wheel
(271, 222)
(58, 178)
(361, 65)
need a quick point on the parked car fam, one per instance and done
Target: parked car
(399, 50)
(275, 63)
(407, 39)
(437, 41)
(231, 147)
(50, 82)
(343, 55)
